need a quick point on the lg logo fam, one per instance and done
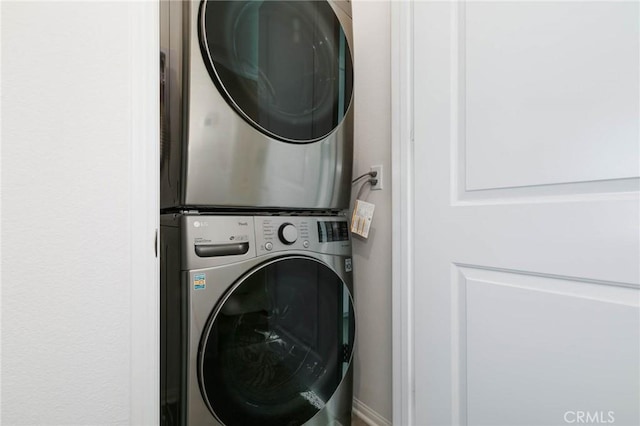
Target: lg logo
(199, 224)
(589, 417)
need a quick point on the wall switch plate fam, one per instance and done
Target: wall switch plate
(379, 176)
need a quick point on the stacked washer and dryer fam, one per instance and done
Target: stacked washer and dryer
(257, 319)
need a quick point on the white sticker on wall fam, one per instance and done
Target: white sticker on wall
(199, 282)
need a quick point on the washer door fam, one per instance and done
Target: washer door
(278, 345)
(285, 66)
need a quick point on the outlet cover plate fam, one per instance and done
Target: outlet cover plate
(379, 176)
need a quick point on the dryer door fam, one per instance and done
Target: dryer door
(285, 66)
(278, 345)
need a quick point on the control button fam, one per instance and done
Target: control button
(305, 244)
(268, 246)
(288, 233)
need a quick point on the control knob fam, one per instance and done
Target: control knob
(288, 233)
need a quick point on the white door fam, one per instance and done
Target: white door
(526, 213)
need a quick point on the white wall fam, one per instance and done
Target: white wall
(71, 338)
(372, 257)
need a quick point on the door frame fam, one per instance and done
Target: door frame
(144, 202)
(402, 207)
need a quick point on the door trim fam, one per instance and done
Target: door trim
(144, 200)
(402, 211)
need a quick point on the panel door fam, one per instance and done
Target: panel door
(526, 177)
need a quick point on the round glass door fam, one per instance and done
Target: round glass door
(278, 346)
(285, 66)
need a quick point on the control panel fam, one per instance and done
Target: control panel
(319, 234)
(214, 240)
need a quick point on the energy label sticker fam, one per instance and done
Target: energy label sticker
(347, 265)
(199, 282)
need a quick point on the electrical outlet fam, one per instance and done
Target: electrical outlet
(379, 176)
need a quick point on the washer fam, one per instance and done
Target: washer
(257, 324)
(256, 104)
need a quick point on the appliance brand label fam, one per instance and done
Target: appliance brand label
(199, 282)
(347, 265)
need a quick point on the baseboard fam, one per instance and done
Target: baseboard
(370, 416)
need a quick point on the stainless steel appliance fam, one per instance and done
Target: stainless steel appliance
(257, 320)
(258, 104)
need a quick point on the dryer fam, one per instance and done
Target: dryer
(257, 104)
(257, 323)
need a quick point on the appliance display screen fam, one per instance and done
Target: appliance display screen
(331, 231)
